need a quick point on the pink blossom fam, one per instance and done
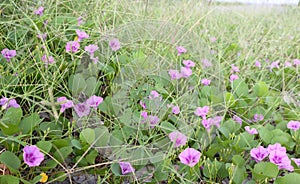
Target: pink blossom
(8, 54)
(217, 121)
(47, 61)
(206, 63)
(94, 101)
(259, 153)
(296, 62)
(154, 94)
(39, 11)
(233, 77)
(175, 74)
(144, 114)
(274, 64)
(79, 21)
(251, 130)
(82, 109)
(257, 64)
(281, 160)
(91, 49)
(179, 138)
(288, 64)
(42, 36)
(213, 39)
(153, 120)
(234, 69)
(293, 125)
(258, 117)
(143, 104)
(186, 72)
(81, 35)
(188, 63)
(175, 110)
(72, 46)
(32, 156)
(190, 157)
(181, 50)
(237, 119)
(8, 103)
(276, 147)
(297, 161)
(65, 103)
(126, 168)
(202, 111)
(205, 82)
(207, 123)
(115, 44)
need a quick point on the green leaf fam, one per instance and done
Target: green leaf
(77, 84)
(102, 136)
(8, 179)
(91, 86)
(261, 89)
(10, 160)
(90, 158)
(265, 170)
(11, 120)
(229, 99)
(28, 123)
(167, 127)
(266, 135)
(62, 153)
(115, 168)
(87, 135)
(229, 127)
(292, 178)
(76, 144)
(238, 160)
(45, 146)
(240, 88)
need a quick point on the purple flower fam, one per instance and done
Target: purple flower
(3, 101)
(188, 63)
(6, 103)
(233, 77)
(39, 11)
(175, 109)
(259, 153)
(181, 50)
(65, 103)
(205, 82)
(42, 36)
(257, 64)
(274, 64)
(190, 157)
(186, 72)
(72, 46)
(79, 21)
(153, 94)
(297, 161)
(153, 120)
(32, 156)
(82, 109)
(202, 111)
(251, 130)
(281, 160)
(95, 60)
(178, 138)
(115, 44)
(91, 49)
(94, 101)
(237, 119)
(234, 69)
(126, 168)
(276, 147)
(293, 125)
(143, 104)
(144, 114)
(207, 123)
(8, 54)
(206, 63)
(47, 61)
(258, 117)
(81, 35)
(296, 62)
(175, 74)
(213, 39)
(288, 64)
(217, 121)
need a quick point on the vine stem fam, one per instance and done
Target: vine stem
(50, 91)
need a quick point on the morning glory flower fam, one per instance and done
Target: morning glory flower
(293, 125)
(259, 153)
(81, 35)
(258, 117)
(115, 44)
(126, 168)
(91, 49)
(205, 82)
(188, 63)
(186, 72)
(181, 50)
(32, 156)
(175, 74)
(94, 101)
(202, 111)
(72, 46)
(237, 119)
(251, 130)
(82, 109)
(233, 77)
(65, 103)
(39, 11)
(8, 54)
(190, 157)
(178, 138)
(281, 160)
